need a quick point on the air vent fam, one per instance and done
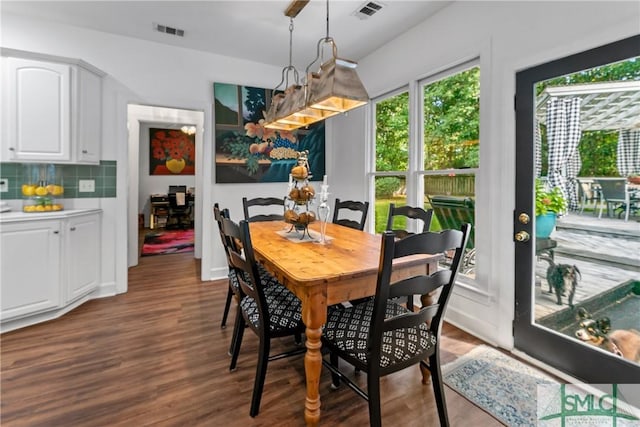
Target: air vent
(168, 30)
(368, 9)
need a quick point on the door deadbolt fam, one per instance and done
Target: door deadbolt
(522, 236)
(524, 218)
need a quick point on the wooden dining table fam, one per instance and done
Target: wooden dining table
(320, 275)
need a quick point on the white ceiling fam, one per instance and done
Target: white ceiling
(255, 30)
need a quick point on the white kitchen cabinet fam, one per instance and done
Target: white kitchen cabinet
(30, 268)
(82, 256)
(53, 109)
(39, 110)
(49, 263)
(89, 131)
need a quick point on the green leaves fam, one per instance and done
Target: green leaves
(549, 201)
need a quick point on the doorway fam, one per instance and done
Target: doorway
(142, 117)
(572, 329)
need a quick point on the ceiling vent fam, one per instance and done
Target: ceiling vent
(168, 30)
(368, 9)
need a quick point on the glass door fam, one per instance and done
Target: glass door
(578, 288)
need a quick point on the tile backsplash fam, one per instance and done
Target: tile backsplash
(103, 175)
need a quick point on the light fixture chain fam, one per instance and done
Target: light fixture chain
(327, 19)
(290, 41)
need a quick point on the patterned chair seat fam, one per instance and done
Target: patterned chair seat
(284, 307)
(267, 279)
(348, 329)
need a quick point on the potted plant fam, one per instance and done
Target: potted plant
(549, 204)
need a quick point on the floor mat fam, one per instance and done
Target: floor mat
(498, 384)
(168, 242)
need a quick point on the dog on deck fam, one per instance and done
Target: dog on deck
(563, 278)
(621, 342)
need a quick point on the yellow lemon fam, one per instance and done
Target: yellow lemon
(28, 190)
(56, 207)
(40, 208)
(57, 190)
(48, 208)
(175, 166)
(41, 191)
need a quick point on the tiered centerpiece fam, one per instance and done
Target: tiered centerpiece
(300, 197)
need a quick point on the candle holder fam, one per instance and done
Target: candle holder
(323, 213)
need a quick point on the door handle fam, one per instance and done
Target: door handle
(522, 236)
(524, 218)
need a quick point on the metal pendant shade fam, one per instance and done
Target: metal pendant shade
(338, 87)
(335, 88)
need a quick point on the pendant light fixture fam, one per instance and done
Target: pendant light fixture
(336, 86)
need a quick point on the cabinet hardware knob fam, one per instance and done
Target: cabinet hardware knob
(12, 149)
(56, 232)
(84, 151)
(72, 229)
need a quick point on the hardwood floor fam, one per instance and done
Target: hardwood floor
(157, 356)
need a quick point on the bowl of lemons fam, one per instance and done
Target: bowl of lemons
(41, 197)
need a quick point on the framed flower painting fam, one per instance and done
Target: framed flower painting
(246, 151)
(172, 151)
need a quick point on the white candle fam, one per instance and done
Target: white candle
(290, 179)
(324, 181)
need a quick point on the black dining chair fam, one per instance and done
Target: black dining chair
(261, 204)
(354, 207)
(269, 310)
(406, 212)
(234, 286)
(381, 336)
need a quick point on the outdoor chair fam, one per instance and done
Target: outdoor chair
(352, 206)
(263, 202)
(615, 196)
(588, 193)
(407, 212)
(269, 310)
(381, 336)
(451, 212)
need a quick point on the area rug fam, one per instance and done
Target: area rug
(498, 384)
(167, 242)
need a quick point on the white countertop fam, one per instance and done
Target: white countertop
(16, 216)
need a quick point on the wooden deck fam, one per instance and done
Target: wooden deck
(606, 251)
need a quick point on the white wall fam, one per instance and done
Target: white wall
(148, 73)
(507, 36)
(154, 184)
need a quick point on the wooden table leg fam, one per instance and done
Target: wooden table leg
(314, 315)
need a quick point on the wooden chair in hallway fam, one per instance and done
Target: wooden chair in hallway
(259, 203)
(381, 336)
(408, 212)
(351, 206)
